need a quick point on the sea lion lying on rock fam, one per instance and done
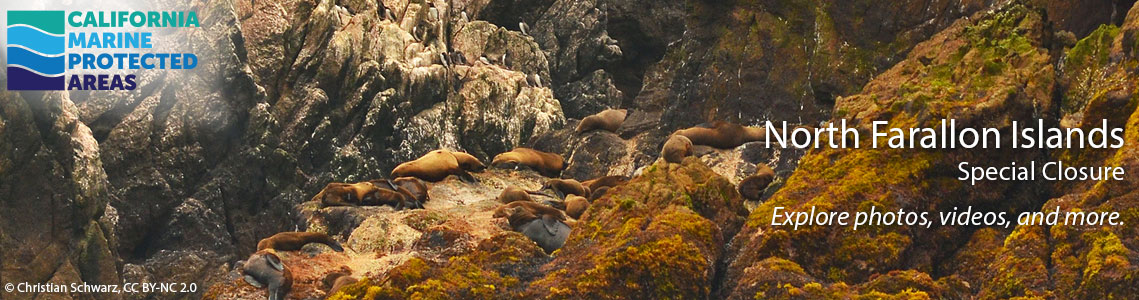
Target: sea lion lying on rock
(604, 181)
(598, 193)
(542, 224)
(576, 206)
(264, 269)
(346, 194)
(556, 204)
(401, 193)
(398, 198)
(608, 120)
(545, 163)
(512, 194)
(676, 148)
(294, 240)
(436, 166)
(564, 187)
(468, 162)
(722, 134)
(752, 187)
(337, 280)
(371, 193)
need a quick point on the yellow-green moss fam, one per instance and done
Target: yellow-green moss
(490, 271)
(1107, 267)
(421, 220)
(1084, 64)
(358, 290)
(663, 269)
(657, 236)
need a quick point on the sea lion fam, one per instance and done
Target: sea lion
(604, 181)
(601, 191)
(752, 187)
(468, 162)
(576, 206)
(294, 240)
(545, 163)
(542, 224)
(371, 193)
(563, 187)
(556, 204)
(401, 193)
(264, 269)
(512, 194)
(346, 194)
(722, 134)
(337, 280)
(608, 120)
(415, 187)
(396, 197)
(433, 166)
(676, 148)
(527, 211)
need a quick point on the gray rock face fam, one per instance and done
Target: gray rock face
(601, 49)
(55, 190)
(170, 144)
(591, 94)
(288, 95)
(592, 157)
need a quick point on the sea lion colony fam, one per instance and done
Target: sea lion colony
(547, 222)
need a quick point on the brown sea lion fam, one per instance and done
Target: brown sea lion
(398, 198)
(264, 269)
(294, 240)
(722, 134)
(563, 187)
(604, 181)
(433, 166)
(576, 206)
(598, 193)
(337, 280)
(556, 204)
(417, 188)
(548, 164)
(512, 194)
(468, 162)
(401, 193)
(530, 210)
(346, 194)
(542, 224)
(676, 148)
(752, 187)
(371, 193)
(608, 120)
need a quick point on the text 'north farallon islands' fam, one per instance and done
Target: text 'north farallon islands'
(947, 135)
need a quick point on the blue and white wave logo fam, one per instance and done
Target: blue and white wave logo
(36, 44)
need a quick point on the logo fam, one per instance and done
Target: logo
(36, 41)
(91, 50)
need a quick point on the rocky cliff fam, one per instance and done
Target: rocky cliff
(1001, 65)
(177, 180)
